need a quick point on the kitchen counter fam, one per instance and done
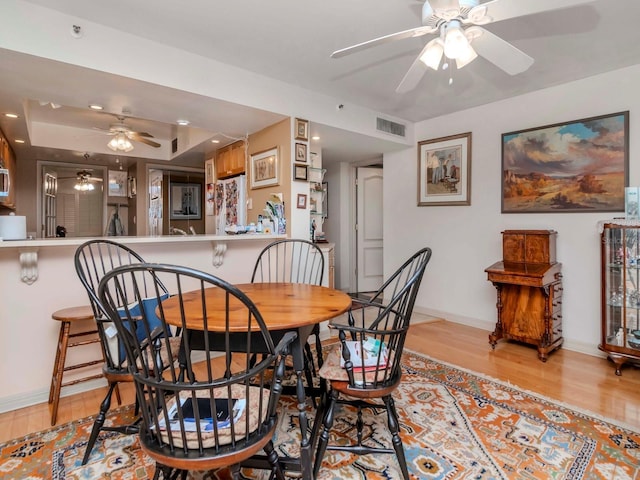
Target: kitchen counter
(28, 249)
(30, 336)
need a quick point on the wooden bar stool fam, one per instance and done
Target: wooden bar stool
(67, 316)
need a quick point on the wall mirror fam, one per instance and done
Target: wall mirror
(76, 200)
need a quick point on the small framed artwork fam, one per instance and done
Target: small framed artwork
(302, 200)
(444, 171)
(300, 172)
(302, 129)
(209, 172)
(577, 166)
(185, 201)
(117, 183)
(265, 169)
(301, 152)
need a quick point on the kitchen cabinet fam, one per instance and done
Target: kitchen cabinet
(231, 160)
(620, 266)
(529, 288)
(8, 162)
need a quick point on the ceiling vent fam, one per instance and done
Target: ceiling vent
(388, 126)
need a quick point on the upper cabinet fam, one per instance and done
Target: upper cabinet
(8, 162)
(230, 160)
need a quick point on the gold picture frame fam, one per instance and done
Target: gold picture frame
(302, 129)
(265, 169)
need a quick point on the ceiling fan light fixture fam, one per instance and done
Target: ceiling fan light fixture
(120, 143)
(84, 185)
(466, 58)
(433, 54)
(456, 43)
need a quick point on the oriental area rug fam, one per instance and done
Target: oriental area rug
(454, 425)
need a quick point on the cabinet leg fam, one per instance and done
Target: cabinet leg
(494, 337)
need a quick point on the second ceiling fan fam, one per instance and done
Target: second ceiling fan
(460, 37)
(123, 135)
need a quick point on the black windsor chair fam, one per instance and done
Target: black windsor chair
(365, 364)
(226, 416)
(93, 259)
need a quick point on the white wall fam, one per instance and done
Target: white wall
(467, 239)
(29, 335)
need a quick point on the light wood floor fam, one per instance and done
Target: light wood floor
(579, 380)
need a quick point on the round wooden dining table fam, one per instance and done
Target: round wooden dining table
(284, 307)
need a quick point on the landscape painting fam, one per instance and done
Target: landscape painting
(577, 166)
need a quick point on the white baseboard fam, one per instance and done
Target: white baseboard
(580, 347)
(16, 402)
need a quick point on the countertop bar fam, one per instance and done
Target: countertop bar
(28, 249)
(74, 241)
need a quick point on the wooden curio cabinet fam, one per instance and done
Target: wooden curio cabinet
(620, 293)
(528, 282)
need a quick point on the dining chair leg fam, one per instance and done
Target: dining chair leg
(99, 423)
(394, 428)
(317, 420)
(235, 471)
(327, 423)
(274, 461)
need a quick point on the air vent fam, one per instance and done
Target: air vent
(390, 127)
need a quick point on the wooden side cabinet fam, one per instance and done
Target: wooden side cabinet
(529, 294)
(620, 264)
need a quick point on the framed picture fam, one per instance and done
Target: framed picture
(265, 169)
(117, 183)
(444, 171)
(300, 172)
(302, 129)
(577, 166)
(301, 152)
(185, 201)
(302, 200)
(209, 172)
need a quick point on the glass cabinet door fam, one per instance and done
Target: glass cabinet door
(621, 290)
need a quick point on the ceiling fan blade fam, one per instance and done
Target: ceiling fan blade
(414, 74)
(144, 140)
(412, 32)
(498, 51)
(498, 10)
(143, 134)
(102, 130)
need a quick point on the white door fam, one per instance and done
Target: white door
(369, 229)
(49, 206)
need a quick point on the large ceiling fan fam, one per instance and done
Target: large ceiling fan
(460, 36)
(123, 135)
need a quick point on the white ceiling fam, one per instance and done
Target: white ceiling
(291, 40)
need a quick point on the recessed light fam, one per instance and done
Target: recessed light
(315, 137)
(95, 106)
(182, 122)
(11, 115)
(18, 140)
(215, 141)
